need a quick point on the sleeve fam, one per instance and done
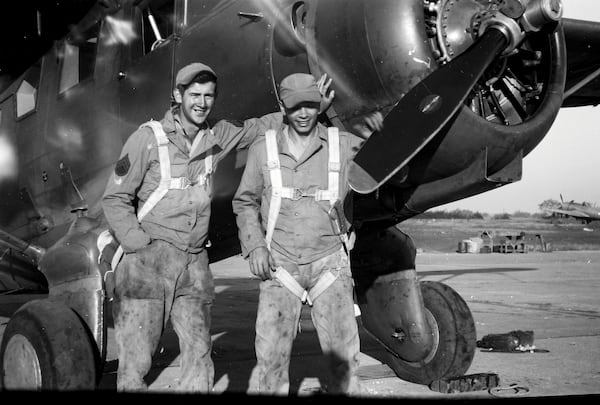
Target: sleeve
(247, 203)
(123, 184)
(240, 135)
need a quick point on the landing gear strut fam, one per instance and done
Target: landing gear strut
(426, 327)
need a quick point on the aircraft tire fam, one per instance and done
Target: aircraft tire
(454, 342)
(47, 347)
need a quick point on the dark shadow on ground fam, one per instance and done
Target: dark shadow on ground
(483, 270)
(233, 318)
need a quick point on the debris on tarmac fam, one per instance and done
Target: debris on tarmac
(516, 340)
(466, 383)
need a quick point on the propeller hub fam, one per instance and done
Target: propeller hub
(454, 26)
(507, 26)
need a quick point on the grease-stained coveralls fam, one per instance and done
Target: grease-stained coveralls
(306, 244)
(164, 272)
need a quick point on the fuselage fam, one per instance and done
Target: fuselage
(69, 115)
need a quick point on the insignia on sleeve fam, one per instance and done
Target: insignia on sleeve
(123, 166)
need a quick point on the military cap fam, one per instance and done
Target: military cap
(188, 72)
(298, 88)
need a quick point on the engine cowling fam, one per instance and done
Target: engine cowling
(377, 54)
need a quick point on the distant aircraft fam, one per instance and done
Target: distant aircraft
(467, 90)
(584, 211)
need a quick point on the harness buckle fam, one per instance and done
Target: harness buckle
(179, 183)
(298, 194)
(204, 179)
(305, 298)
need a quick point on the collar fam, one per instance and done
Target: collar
(175, 121)
(315, 144)
(176, 133)
(321, 135)
(205, 142)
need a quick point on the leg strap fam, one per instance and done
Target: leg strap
(290, 283)
(322, 284)
(295, 288)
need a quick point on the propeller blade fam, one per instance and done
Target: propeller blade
(421, 113)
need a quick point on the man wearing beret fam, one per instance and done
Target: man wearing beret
(157, 204)
(293, 231)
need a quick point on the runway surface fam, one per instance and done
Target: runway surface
(553, 294)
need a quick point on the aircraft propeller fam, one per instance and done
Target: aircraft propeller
(429, 105)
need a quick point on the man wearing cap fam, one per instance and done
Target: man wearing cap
(157, 204)
(293, 232)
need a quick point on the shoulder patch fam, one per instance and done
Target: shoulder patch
(123, 166)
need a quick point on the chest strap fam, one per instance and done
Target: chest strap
(278, 191)
(166, 181)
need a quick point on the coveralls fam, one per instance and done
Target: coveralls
(164, 272)
(305, 244)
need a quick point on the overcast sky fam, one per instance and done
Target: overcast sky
(566, 162)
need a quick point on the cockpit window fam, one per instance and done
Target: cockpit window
(78, 57)
(27, 91)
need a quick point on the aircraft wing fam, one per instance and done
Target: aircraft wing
(583, 63)
(571, 213)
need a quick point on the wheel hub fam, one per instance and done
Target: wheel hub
(435, 342)
(22, 369)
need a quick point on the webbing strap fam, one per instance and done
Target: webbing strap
(115, 260)
(276, 183)
(163, 186)
(290, 283)
(278, 191)
(165, 168)
(208, 167)
(332, 192)
(321, 285)
(306, 296)
(166, 181)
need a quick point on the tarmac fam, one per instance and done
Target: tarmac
(553, 294)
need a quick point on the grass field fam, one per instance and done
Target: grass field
(444, 235)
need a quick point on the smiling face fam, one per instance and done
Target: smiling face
(196, 102)
(303, 117)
